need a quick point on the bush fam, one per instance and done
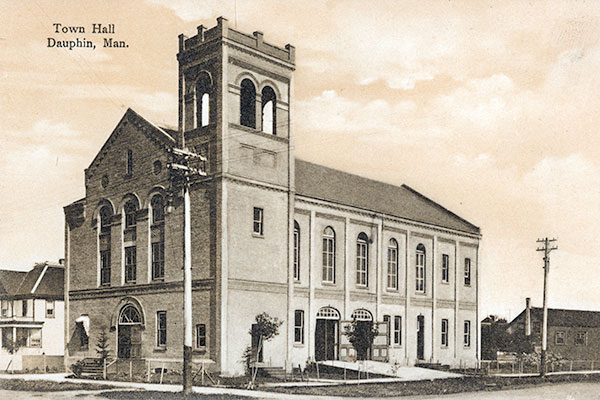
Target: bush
(77, 368)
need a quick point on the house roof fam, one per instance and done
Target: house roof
(328, 184)
(10, 281)
(564, 318)
(44, 280)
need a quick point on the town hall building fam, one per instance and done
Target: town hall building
(312, 246)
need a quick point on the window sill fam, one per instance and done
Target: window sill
(199, 350)
(160, 349)
(444, 347)
(297, 281)
(467, 347)
(327, 283)
(258, 235)
(469, 285)
(158, 280)
(362, 287)
(298, 345)
(392, 290)
(445, 282)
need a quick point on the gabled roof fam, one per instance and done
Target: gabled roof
(10, 281)
(328, 184)
(44, 280)
(164, 137)
(564, 318)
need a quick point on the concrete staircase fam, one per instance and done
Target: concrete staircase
(274, 372)
(92, 368)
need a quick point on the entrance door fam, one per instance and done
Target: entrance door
(326, 339)
(420, 337)
(124, 334)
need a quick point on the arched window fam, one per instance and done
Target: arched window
(248, 104)
(392, 270)
(130, 316)
(361, 315)
(269, 113)
(328, 313)
(105, 217)
(129, 238)
(130, 214)
(362, 260)
(329, 255)
(203, 89)
(420, 268)
(296, 251)
(158, 209)
(157, 237)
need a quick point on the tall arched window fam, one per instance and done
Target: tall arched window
(248, 104)
(203, 89)
(362, 260)
(129, 241)
(392, 272)
(296, 251)
(329, 255)
(157, 237)
(269, 123)
(420, 268)
(105, 217)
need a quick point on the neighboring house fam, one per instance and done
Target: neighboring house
(572, 334)
(310, 245)
(32, 318)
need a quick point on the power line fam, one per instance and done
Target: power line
(547, 247)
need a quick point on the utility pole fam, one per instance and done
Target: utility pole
(547, 246)
(182, 172)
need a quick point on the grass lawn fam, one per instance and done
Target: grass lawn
(47, 386)
(434, 387)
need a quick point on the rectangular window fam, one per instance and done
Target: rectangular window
(200, 336)
(362, 264)
(7, 337)
(24, 308)
(49, 308)
(161, 328)
(392, 272)
(5, 308)
(398, 330)
(105, 267)
(387, 321)
(559, 337)
(130, 261)
(158, 260)
(35, 337)
(299, 326)
(467, 272)
(129, 169)
(467, 334)
(581, 338)
(444, 333)
(420, 272)
(296, 253)
(257, 227)
(329, 259)
(445, 268)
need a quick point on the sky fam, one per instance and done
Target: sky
(490, 108)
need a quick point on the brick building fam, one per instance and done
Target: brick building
(312, 246)
(572, 334)
(32, 316)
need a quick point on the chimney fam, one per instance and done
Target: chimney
(527, 316)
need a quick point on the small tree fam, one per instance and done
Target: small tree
(102, 346)
(103, 350)
(361, 335)
(266, 328)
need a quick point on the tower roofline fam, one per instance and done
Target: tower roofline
(222, 30)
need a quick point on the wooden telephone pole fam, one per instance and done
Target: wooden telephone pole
(182, 172)
(547, 246)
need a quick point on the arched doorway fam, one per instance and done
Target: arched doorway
(129, 332)
(327, 334)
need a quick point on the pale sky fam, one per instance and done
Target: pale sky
(489, 108)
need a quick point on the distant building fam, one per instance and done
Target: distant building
(32, 318)
(493, 334)
(310, 245)
(572, 334)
